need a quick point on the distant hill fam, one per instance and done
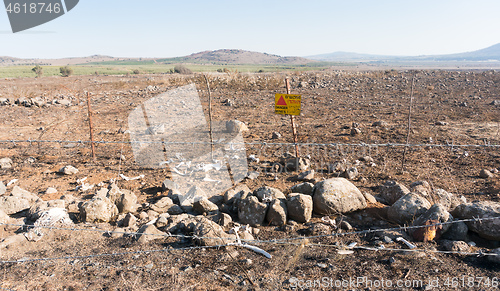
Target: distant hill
(491, 53)
(236, 56)
(222, 56)
(10, 61)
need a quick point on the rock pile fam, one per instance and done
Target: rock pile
(40, 101)
(211, 219)
(421, 204)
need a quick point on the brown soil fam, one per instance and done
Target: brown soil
(332, 101)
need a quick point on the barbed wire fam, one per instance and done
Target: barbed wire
(285, 241)
(361, 144)
(360, 232)
(168, 249)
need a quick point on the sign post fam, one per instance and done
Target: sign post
(289, 104)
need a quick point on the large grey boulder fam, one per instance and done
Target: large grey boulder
(448, 200)
(303, 188)
(175, 210)
(187, 225)
(56, 217)
(103, 192)
(224, 219)
(337, 195)
(391, 191)
(98, 210)
(277, 212)
(162, 205)
(251, 211)
(204, 205)
(21, 193)
(127, 202)
(457, 231)
(12, 204)
(40, 207)
(423, 188)
(408, 208)
(149, 232)
(487, 228)
(235, 193)
(216, 199)
(300, 207)
(179, 223)
(129, 220)
(114, 192)
(162, 220)
(209, 233)
(72, 203)
(267, 194)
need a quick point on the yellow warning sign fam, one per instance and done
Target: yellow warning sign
(287, 104)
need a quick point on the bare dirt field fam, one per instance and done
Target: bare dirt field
(454, 134)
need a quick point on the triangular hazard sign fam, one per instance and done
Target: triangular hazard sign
(281, 101)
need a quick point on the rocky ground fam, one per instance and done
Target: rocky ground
(332, 217)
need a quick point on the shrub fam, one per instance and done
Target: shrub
(66, 71)
(181, 69)
(38, 70)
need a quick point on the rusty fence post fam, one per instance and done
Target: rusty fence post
(91, 127)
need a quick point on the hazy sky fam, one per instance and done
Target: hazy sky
(162, 28)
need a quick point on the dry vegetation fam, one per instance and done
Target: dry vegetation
(449, 108)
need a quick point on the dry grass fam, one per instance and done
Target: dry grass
(332, 101)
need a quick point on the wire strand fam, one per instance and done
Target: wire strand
(285, 241)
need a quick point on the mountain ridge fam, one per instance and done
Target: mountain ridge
(491, 53)
(239, 56)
